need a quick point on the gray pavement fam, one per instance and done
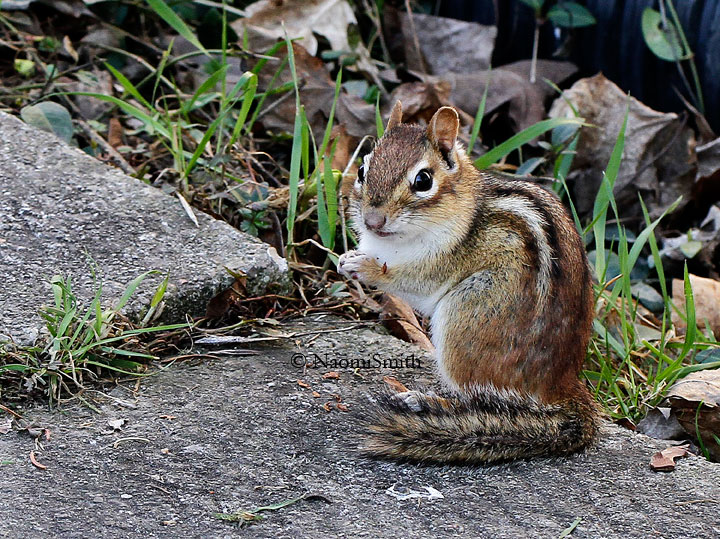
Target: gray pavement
(62, 212)
(236, 434)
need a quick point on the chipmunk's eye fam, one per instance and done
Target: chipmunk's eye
(361, 174)
(423, 181)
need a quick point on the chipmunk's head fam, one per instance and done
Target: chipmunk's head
(408, 185)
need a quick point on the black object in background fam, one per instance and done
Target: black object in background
(614, 45)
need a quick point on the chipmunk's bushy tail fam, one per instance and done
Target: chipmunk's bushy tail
(487, 426)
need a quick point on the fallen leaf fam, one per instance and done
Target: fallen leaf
(227, 300)
(509, 89)
(334, 375)
(626, 423)
(342, 407)
(664, 461)
(706, 295)
(304, 384)
(447, 44)
(695, 400)
(657, 161)
(316, 394)
(115, 133)
(420, 99)
(328, 406)
(344, 146)
(317, 91)
(402, 322)
(35, 462)
(661, 423)
(395, 384)
(266, 21)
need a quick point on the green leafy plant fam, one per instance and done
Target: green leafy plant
(560, 13)
(84, 341)
(665, 37)
(632, 361)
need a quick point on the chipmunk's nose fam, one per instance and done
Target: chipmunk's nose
(374, 219)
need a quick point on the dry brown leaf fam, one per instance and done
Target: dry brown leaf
(304, 384)
(395, 384)
(342, 407)
(365, 301)
(316, 394)
(334, 375)
(420, 100)
(695, 400)
(447, 44)
(344, 147)
(328, 406)
(657, 161)
(706, 294)
(317, 91)
(115, 133)
(266, 21)
(664, 461)
(402, 322)
(223, 302)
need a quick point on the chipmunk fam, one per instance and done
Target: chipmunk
(497, 265)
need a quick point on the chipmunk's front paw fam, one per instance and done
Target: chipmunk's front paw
(358, 266)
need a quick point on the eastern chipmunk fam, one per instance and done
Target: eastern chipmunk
(498, 266)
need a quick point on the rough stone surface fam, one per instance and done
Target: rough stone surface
(240, 433)
(61, 212)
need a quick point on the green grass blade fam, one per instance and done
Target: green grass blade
(378, 119)
(247, 99)
(294, 178)
(605, 195)
(131, 110)
(131, 288)
(690, 312)
(331, 118)
(206, 87)
(172, 19)
(523, 137)
(479, 115)
(128, 86)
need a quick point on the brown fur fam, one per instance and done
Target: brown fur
(519, 305)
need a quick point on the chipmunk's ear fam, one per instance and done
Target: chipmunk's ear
(443, 129)
(395, 116)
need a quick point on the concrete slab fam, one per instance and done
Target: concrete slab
(62, 211)
(241, 433)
